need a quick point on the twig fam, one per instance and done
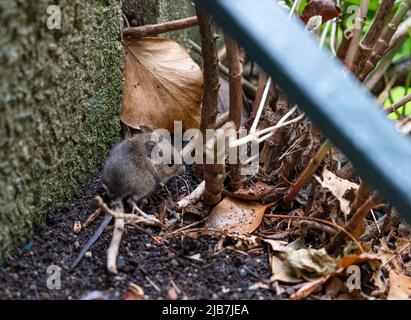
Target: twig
(91, 218)
(185, 227)
(385, 38)
(345, 44)
(236, 98)
(371, 37)
(353, 223)
(112, 251)
(155, 29)
(248, 87)
(307, 173)
(358, 26)
(335, 226)
(193, 197)
(395, 106)
(212, 172)
(270, 130)
(261, 106)
(376, 75)
(262, 78)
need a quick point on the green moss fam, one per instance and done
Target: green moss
(60, 92)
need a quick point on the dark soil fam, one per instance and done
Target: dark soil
(142, 259)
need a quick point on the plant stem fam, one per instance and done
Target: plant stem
(357, 218)
(395, 106)
(359, 25)
(213, 173)
(371, 37)
(308, 172)
(385, 38)
(236, 97)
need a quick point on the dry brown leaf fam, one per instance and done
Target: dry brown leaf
(327, 9)
(340, 188)
(236, 216)
(400, 287)
(281, 272)
(309, 264)
(135, 292)
(252, 193)
(162, 84)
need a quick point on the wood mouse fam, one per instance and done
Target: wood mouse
(134, 169)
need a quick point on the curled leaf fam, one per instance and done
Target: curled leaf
(327, 9)
(162, 84)
(344, 190)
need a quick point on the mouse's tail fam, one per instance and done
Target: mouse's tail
(92, 240)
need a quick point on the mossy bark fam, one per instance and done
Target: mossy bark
(60, 92)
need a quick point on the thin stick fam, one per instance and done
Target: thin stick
(261, 106)
(395, 106)
(236, 98)
(344, 45)
(213, 173)
(324, 33)
(91, 218)
(333, 36)
(155, 29)
(308, 172)
(351, 225)
(248, 87)
(112, 251)
(193, 197)
(359, 25)
(262, 78)
(335, 226)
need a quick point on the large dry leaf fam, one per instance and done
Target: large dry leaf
(400, 287)
(236, 216)
(318, 263)
(162, 84)
(342, 189)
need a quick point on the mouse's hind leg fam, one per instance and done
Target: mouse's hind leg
(132, 201)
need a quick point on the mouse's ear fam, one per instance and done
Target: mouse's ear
(145, 129)
(150, 144)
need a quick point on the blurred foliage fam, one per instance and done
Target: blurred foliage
(347, 20)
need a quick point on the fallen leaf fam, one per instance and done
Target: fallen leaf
(236, 216)
(309, 264)
(400, 287)
(135, 292)
(282, 272)
(327, 9)
(341, 189)
(162, 84)
(252, 193)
